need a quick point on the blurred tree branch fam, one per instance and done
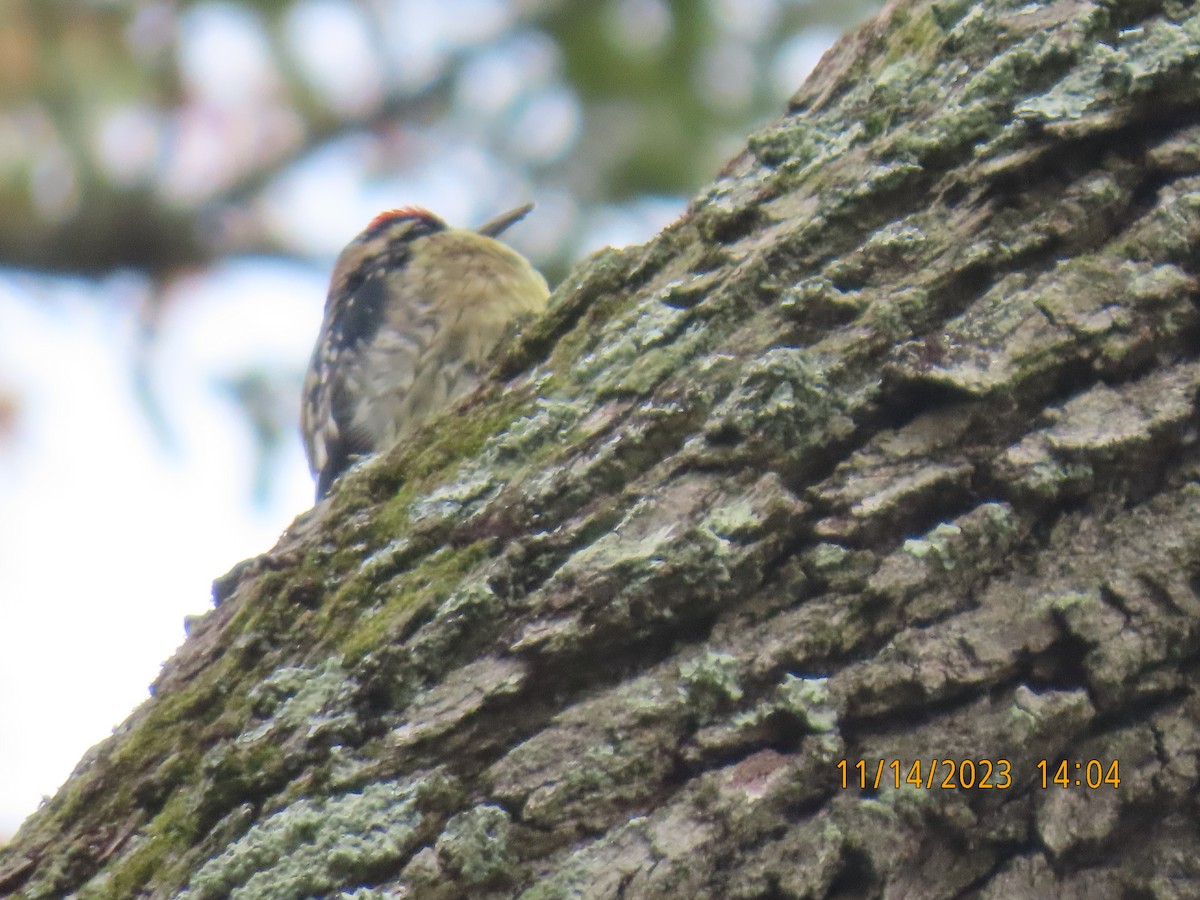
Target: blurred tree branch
(71, 70)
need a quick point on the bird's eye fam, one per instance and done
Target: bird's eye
(356, 279)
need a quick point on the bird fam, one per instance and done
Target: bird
(414, 312)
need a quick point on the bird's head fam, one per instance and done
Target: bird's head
(385, 244)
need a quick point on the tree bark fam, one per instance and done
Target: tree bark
(881, 461)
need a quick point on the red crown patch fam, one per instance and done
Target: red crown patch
(402, 212)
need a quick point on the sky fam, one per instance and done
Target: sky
(119, 508)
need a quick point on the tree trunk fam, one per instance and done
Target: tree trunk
(842, 541)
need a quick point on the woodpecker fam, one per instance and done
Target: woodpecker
(415, 310)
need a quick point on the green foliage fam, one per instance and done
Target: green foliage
(108, 111)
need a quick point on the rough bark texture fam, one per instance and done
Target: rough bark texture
(885, 452)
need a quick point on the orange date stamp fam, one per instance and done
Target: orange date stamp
(973, 774)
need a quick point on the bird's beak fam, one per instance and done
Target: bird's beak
(502, 223)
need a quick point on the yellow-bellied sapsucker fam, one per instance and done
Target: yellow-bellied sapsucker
(414, 311)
